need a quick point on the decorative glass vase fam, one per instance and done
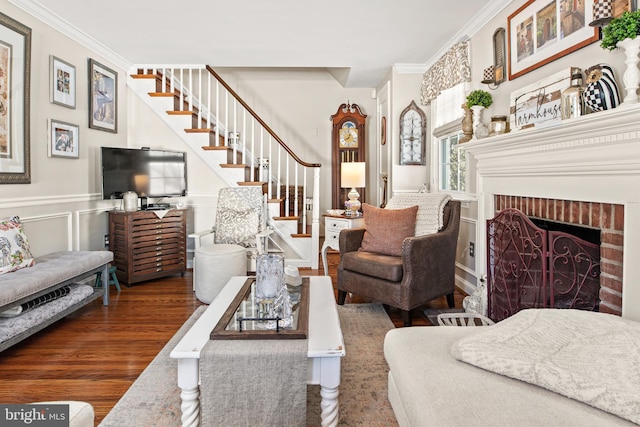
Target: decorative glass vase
(269, 277)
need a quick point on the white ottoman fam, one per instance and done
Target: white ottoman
(214, 266)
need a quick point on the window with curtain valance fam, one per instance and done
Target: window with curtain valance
(450, 70)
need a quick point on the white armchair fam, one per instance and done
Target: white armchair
(241, 219)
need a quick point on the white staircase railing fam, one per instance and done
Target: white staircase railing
(217, 110)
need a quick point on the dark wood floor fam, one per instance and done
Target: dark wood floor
(95, 354)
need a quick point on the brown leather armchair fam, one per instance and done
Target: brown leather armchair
(425, 271)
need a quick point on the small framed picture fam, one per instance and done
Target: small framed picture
(103, 97)
(64, 139)
(63, 82)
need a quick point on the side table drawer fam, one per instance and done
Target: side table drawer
(333, 224)
(332, 236)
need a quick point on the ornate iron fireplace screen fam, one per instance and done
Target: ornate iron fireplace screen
(529, 267)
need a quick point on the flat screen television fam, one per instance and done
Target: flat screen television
(150, 173)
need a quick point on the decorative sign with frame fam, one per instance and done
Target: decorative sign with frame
(15, 63)
(64, 140)
(542, 31)
(540, 102)
(103, 97)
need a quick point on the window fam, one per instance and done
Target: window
(452, 164)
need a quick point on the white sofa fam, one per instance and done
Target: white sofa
(429, 387)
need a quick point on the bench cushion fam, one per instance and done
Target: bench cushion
(48, 271)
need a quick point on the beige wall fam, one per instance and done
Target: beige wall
(61, 207)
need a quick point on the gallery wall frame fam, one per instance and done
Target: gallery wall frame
(103, 97)
(541, 31)
(15, 78)
(64, 139)
(62, 77)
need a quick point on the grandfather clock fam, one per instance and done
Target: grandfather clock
(347, 145)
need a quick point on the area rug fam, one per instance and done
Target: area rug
(154, 399)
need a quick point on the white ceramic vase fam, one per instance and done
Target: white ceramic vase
(479, 129)
(631, 77)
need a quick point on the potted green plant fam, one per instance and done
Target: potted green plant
(479, 97)
(478, 100)
(626, 26)
(622, 32)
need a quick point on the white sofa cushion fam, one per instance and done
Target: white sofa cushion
(588, 356)
(435, 389)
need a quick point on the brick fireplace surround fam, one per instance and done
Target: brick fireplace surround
(607, 217)
(585, 171)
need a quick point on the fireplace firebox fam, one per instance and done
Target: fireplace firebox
(540, 266)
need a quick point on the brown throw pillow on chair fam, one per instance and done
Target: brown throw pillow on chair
(387, 228)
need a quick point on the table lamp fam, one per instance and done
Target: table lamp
(142, 188)
(353, 174)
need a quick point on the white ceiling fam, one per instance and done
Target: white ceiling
(357, 40)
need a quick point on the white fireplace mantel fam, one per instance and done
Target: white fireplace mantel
(593, 158)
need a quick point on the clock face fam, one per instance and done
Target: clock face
(348, 135)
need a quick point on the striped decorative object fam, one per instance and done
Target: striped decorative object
(601, 92)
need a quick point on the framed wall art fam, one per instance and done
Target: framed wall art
(413, 134)
(63, 82)
(64, 140)
(15, 76)
(542, 31)
(103, 97)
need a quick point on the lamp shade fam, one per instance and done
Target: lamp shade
(353, 174)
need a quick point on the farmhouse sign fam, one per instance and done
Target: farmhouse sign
(539, 103)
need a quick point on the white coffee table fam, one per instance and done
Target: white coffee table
(326, 347)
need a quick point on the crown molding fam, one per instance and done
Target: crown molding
(465, 33)
(39, 11)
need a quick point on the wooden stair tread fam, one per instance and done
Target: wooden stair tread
(143, 76)
(232, 166)
(213, 148)
(296, 218)
(251, 183)
(300, 235)
(162, 94)
(180, 113)
(201, 130)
